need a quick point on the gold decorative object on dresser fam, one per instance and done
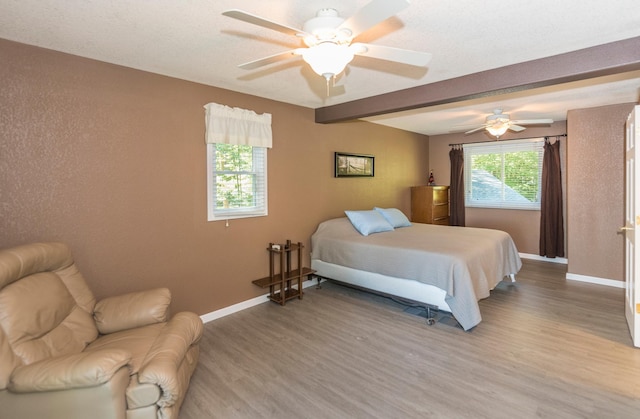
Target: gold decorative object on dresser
(430, 204)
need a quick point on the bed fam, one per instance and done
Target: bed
(451, 268)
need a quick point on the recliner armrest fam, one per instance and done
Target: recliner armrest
(84, 369)
(135, 309)
(163, 360)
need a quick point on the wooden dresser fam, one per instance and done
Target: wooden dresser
(430, 204)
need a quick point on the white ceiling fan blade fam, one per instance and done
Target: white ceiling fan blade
(516, 128)
(265, 23)
(405, 56)
(281, 56)
(532, 121)
(475, 130)
(371, 14)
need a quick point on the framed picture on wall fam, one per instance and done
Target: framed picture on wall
(353, 165)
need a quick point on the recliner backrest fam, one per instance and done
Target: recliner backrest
(46, 307)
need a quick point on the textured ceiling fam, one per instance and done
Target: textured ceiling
(191, 40)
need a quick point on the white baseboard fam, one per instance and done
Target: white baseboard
(538, 257)
(214, 315)
(576, 277)
(596, 280)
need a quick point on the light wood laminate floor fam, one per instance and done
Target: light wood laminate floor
(546, 348)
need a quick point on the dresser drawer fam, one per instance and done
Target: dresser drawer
(440, 211)
(440, 196)
(430, 204)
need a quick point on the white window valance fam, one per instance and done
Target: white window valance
(226, 125)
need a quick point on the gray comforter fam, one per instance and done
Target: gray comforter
(465, 262)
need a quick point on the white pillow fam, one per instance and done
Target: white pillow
(368, 222)
(394, 216)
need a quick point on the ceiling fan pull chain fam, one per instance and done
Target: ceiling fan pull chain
(331, 77)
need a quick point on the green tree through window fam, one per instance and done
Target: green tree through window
(518, 169)
(238, 181)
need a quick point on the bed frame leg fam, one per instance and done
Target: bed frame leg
(513, 277)
(318, 286)
(430, 319)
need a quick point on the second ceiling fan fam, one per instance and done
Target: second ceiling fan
(328, 38)
(498, 123)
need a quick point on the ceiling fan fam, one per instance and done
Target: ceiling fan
(498, 123)
(328, 38)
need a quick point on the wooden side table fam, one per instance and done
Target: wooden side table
(281, 279)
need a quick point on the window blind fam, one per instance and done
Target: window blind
(504, 174)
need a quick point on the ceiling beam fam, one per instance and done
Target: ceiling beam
(602, 60)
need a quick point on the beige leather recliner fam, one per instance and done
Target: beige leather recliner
(62, 355)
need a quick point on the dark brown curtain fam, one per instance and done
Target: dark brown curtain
(551, 221)
(456, 188)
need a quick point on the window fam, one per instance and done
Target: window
(505, 174)
(237, 181)
(237, 141)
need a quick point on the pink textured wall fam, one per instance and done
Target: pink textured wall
(112, 161)
(596, 191)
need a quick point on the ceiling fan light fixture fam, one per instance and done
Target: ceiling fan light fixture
(328, 38)
(498, 129)
(328, 59)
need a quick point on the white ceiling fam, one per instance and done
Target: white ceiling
(191, 40)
